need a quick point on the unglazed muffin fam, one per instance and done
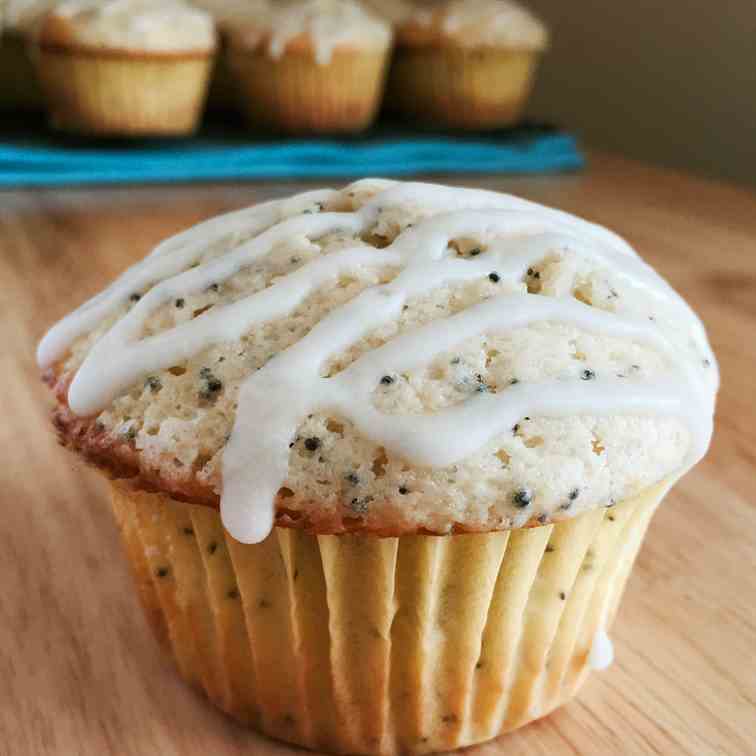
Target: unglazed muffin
(311, 66)
(19, 89)
(125, 67)
(465, 64)
(383, 457)
(228, 14)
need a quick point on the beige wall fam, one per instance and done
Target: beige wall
(671, 81)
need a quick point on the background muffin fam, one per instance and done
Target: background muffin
(465, 63)
(227, 15)
(125, 67)
(391, 360)
(311, 66)
(19, 89)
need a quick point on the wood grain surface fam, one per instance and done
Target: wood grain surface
(79, 673)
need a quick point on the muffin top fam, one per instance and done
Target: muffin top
(473, 23)
(170, 26)
(389, 358)
(317, 26)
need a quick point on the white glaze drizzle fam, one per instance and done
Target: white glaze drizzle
(483, 22)
(168, 25)
(327, 25)
(601, 654)
(274, 400)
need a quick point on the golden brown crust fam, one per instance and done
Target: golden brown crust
(417, 33)
(120, 460)
(302, 44)
(122, 53)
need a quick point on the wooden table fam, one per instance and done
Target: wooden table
(79, 673)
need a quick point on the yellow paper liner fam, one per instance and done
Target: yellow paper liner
(296, 95)
(366, 645)
(123, 95)
(474, 89)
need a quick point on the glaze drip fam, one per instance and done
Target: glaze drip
(601, 654)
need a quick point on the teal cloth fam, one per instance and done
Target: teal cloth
(47, 160)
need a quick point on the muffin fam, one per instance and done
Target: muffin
(311, 66)
(227, 14)
(125, 67)
(19, 89)
(466, 64)
(383, 457)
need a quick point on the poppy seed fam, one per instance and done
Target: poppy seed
(522, 498)
(359, 506)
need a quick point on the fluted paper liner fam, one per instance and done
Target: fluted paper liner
(295, 94)
(366, 645)
(127, 95)
(484, 88)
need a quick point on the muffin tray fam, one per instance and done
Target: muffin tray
(224, 152)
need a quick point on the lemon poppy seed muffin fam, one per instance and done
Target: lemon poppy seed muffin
(466, 64)
(228, 15)
(457, 403)
(311, 66)
(125, 67)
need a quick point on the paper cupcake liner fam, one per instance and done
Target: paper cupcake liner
(296, 95)
(461, 88)
(123, 95)
(366, 645)
(19, 89)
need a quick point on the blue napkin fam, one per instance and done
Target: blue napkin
(49, 160)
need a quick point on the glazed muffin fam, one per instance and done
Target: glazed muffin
(311, 66)
(125, 67)
(465, 64)
(228, 14)
(19, 89)
(383, 457)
